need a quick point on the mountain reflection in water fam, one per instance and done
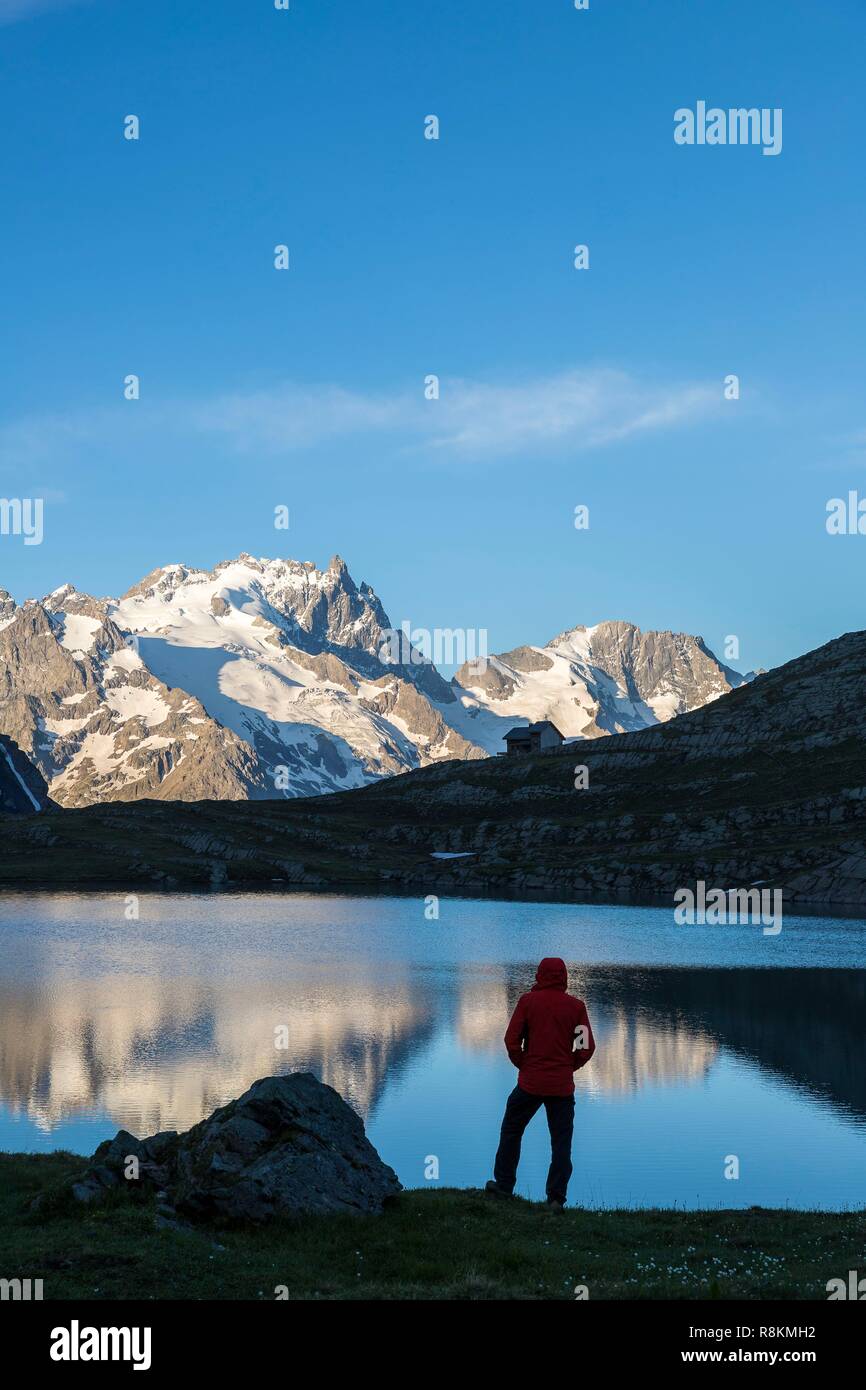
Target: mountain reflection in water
(104, 1027)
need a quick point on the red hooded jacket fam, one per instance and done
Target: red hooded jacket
(541, 1035)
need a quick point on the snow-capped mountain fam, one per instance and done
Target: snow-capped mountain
(590, 681)
(257, 679)
(264, 678)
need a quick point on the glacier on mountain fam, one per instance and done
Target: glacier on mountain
(268, 678)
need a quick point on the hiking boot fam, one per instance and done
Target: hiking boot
(554, 1205)
(495, 1190)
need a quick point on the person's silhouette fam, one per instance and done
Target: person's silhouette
(548, 1039)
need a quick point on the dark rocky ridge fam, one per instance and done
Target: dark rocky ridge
(23, 791)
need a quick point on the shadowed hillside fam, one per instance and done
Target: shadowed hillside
(766, 784)
(22, 789)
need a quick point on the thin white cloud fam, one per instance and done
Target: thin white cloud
(578, 409)
(572, 410)
(295, 417)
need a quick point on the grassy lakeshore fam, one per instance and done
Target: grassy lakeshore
(433, 1244)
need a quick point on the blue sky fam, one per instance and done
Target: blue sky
(559, 387)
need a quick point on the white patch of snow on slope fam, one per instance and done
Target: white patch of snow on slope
(129, 702)
(78, 632)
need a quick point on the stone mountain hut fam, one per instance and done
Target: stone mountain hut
(533, 738)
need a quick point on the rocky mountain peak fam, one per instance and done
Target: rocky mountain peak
(163, 580)
(272, 677)
(8, 607)
(608, 678)
(259, 678)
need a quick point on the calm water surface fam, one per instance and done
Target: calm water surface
(712, 1041)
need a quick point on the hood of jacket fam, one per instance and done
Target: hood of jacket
(551, 974)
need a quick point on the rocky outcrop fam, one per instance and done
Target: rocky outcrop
(401, 701)
(289, 1146)
(7, 607)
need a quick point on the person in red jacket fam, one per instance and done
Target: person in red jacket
(548, 1039)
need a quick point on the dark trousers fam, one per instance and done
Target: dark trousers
(519, 1110)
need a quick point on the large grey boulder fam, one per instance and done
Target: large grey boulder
(289, 1146)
